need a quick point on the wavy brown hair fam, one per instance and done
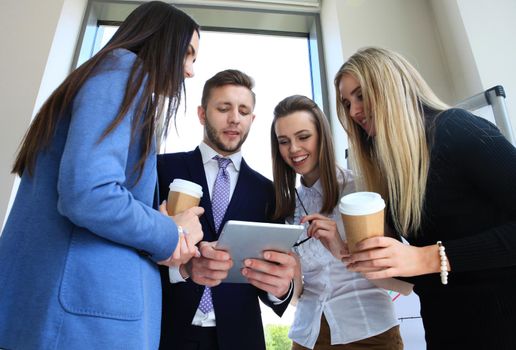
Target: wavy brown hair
(285, 176)
(159, 34)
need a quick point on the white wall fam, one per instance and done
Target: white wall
(458, 53)
(491, 28)
(35, 61)
(477, 38)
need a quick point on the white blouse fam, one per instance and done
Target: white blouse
(354, 308)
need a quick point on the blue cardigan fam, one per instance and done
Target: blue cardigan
(71, 276)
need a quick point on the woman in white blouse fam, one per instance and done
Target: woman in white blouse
(336, 308)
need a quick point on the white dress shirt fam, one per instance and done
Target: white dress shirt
(354, 308)
(211, 168)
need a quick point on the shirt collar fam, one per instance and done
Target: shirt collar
(315, 187)
(207, 154)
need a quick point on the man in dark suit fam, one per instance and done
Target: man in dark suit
(225, 316)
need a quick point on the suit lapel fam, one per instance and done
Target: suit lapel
(238, 199)
(197, 175)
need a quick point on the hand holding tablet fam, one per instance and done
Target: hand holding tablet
(248, 240)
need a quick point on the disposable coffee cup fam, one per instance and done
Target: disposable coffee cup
(182, 195)
(363, 216)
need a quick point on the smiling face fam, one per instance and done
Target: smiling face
(227, 118)
(351, 97)
(298, 142)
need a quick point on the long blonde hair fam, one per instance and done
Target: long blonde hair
(395, 161)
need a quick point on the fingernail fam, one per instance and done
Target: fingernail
(267, 256)
(247, 262)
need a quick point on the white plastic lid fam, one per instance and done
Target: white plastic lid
(185, 186)
(361, 203)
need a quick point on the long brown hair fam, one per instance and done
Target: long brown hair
(159, 34)
(285, 176)
(395, 161)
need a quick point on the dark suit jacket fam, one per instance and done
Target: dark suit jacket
(239, 324)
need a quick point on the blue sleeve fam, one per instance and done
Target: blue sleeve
(92, 174)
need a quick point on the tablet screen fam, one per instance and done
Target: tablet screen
(246, 239)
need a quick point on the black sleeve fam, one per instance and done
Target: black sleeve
(488, 160)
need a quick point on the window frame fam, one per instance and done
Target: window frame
(266, 18)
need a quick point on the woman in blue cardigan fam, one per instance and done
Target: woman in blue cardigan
(79, 252)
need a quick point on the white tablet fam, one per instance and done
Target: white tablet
(246, 239)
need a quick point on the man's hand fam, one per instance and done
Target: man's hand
(211, 267)
(273, 275)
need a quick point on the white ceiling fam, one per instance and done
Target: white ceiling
(296, 5)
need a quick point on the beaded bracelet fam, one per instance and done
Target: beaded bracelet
(444, 263)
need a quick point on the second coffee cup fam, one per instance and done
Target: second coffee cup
(183, 195)
(363, 216)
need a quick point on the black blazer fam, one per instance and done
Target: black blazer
(239, 324)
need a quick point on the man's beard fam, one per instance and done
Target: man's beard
(211, 133)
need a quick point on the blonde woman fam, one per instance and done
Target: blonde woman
(338, 309)
(449, 178)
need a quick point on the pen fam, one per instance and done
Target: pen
(309, 222)
(301, 242)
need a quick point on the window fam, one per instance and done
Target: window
(279, 49)
(280, 66)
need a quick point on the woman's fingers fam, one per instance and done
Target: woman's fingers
(163, 208)
(325, 225)
(375, 242)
